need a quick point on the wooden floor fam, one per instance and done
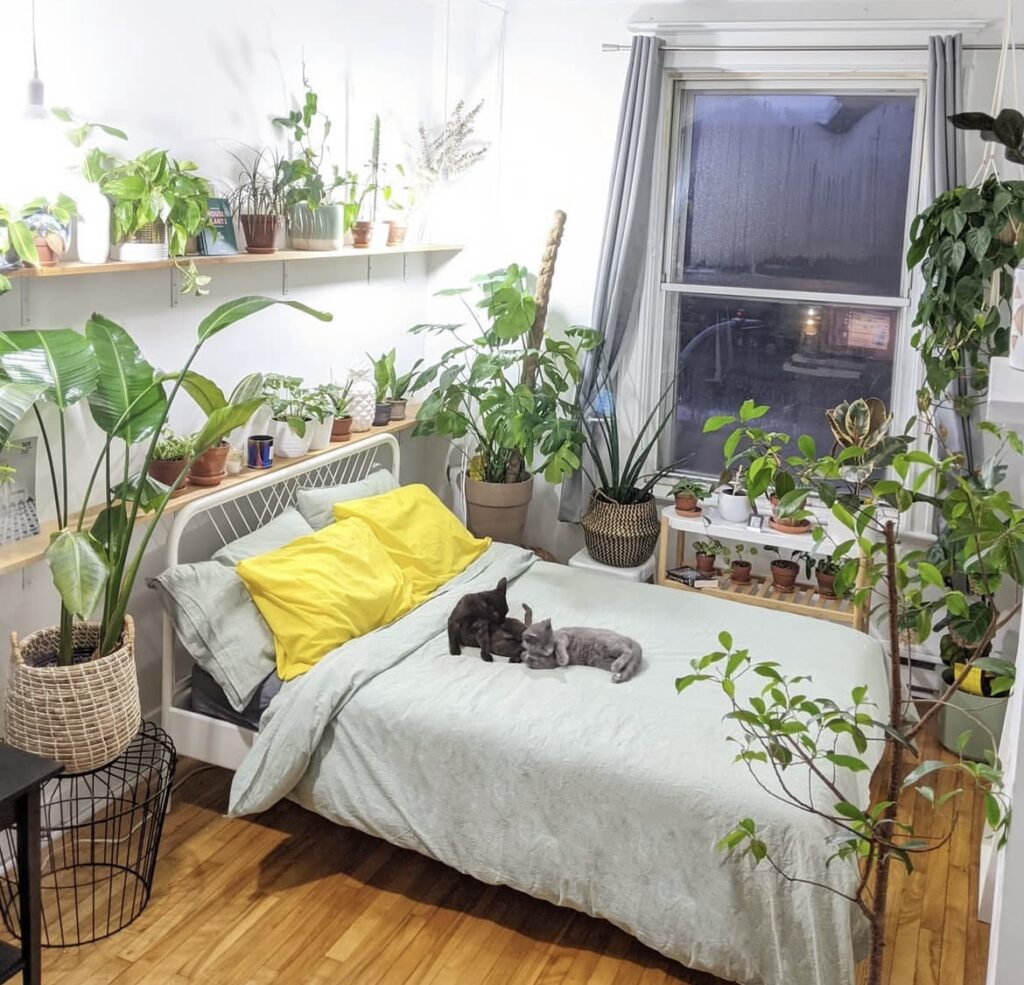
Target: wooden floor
(288, 897)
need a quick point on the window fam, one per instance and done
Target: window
(784, 275)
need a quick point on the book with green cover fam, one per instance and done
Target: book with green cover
(218, 239)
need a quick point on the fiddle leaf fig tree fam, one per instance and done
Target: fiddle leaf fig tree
(92, 558)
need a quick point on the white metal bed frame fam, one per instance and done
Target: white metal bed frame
(233, 512)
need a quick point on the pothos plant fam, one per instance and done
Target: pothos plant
(512, 398)
(93, 557)
(806, 749)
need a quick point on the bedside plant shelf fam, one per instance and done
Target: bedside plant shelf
(21, 553)
(804, 600)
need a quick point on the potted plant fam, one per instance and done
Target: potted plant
(383, 370)
(401, 206)
(825, 571)
(687, 492)
(740, 567)
(290, 418)
(508, 392)
(368, 231)
(72, 692)
(169, 465)
(50, 225)
(733, 502)
(784, 574)
(402, 386)
(321, 408)
(315, 220)
(707, 551)
(159, 204)
(17, 244)
(337, 397)
(259, 200)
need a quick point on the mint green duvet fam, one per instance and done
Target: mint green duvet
(608, 798)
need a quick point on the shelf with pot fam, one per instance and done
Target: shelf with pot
(21, 553)
(802, 598)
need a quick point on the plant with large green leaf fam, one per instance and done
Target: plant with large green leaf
(17, 243)
(92, 556)
(509, 391)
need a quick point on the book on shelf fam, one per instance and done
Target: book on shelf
(218, 239)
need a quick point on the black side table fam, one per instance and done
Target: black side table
(21, 775)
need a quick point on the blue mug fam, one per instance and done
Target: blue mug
(261, 451)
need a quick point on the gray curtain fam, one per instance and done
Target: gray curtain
(944, 148)
(624, 246)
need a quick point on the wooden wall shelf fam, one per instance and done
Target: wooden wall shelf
(75, 269)
(21, 553)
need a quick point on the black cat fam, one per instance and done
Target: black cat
(481, 620)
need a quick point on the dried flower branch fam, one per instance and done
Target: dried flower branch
(452, 146)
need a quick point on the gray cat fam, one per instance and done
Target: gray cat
(544, 648)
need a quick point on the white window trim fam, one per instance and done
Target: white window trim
(646, 368)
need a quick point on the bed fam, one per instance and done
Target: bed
(605, 798)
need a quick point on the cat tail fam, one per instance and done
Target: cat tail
(454, 647)
(626, 666)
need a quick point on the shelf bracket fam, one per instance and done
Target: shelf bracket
(26, 302)
(405, 267)
(369, 269)
(175, 286)
(284, 277)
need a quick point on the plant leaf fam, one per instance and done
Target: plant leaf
(79, 571)
(16, 400)
(207, 395)
(227, 314)
(60, 360)
(222, 422)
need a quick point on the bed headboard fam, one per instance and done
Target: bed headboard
(230, 513)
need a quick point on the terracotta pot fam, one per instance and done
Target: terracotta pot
(398, 408)
(740, 572)
(167, 472)
(706, 564)
(261, 232)
(396, 233)
(498, 509)
(365, 234)
(381, 415)
(784, 574)
(47, 255)
(826, 584)
(621, 535)
(210, 467)
(686, 502)
(342, 429)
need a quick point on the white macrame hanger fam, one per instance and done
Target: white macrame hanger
(988, 159)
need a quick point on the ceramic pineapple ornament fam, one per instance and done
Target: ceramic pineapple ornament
(362, 399)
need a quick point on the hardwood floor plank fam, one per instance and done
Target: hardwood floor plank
(288, 896)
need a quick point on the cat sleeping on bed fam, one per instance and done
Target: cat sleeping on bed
(545, 648)
(481, 619)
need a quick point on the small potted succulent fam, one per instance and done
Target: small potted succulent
(171, 458)
(289, 416)
(707, 551)
(825, 571)
(740, 567)
(400, 388)
(319, 405)
(687, 493)
(337, 397)
(383, 370)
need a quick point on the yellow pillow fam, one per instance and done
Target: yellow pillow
(324, 589)
(422, 536)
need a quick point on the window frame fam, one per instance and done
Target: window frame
(658, 342)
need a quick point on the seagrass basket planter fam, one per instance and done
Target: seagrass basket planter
(620, 535)
(84, 715)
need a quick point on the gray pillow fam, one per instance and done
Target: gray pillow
(281, 530)
(315, 504)
(219, 625)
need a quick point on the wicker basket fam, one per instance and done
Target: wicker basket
(621, 536)
(83, 716)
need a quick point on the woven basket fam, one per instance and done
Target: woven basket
(83, 716)
(621, 536)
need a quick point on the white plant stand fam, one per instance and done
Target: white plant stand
(641, 573)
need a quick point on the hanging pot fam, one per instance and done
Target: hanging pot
(620, 535)
(498, 509)
(84, 715)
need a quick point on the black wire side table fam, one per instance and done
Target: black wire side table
(100, 838)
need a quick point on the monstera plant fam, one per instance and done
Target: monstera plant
(93, 557)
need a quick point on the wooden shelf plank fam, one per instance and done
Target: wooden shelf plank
(75, 269)
(21, 553)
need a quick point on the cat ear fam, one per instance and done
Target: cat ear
(502, 585)
(527, 615)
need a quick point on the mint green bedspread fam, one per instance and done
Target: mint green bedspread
(608, 798)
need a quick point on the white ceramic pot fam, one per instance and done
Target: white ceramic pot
(287, 444)
(734, 509)
(92, 227)
(319, 433)
(362, 399)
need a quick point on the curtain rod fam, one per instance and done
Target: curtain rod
(808, 47)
